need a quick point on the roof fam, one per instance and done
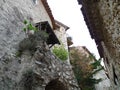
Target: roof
(45, 3)
(63, 25)
(93, 21)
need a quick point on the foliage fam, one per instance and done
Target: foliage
(84, 68)
(96, 64)
(29, 26)
(61, 53)
(18, 53)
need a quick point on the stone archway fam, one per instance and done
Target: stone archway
(56, 85)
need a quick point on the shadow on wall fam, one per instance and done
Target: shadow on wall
(56, 85)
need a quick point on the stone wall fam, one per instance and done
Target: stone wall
(35, 68)
(110, 11)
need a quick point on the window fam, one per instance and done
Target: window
(35, 1)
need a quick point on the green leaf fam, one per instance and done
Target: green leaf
(25, 22)
(30, 27)
(35, 29)
(24, 29)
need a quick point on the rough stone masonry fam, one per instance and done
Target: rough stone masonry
(35, 69)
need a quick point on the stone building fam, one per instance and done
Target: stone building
(102, 19)
(61, 34)
(26, 63)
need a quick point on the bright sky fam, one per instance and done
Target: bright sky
(68, 12)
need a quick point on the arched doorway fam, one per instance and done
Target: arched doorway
(55, 85)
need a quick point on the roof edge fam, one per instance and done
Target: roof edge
(65, 26)
(47, 7)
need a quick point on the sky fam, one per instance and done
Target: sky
(68, 12)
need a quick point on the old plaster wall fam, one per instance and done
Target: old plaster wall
(33, 70)
(110, 11)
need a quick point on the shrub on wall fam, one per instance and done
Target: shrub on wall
(61, 53)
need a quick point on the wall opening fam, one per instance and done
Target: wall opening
(35, 1)
(56, 85)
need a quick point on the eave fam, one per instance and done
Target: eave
(46, 5)
(93, 21)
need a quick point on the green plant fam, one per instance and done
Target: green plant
(29, 27)
(18, 53)
(31, 41)
(96, 64)
(84, 70)
(61, 53)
